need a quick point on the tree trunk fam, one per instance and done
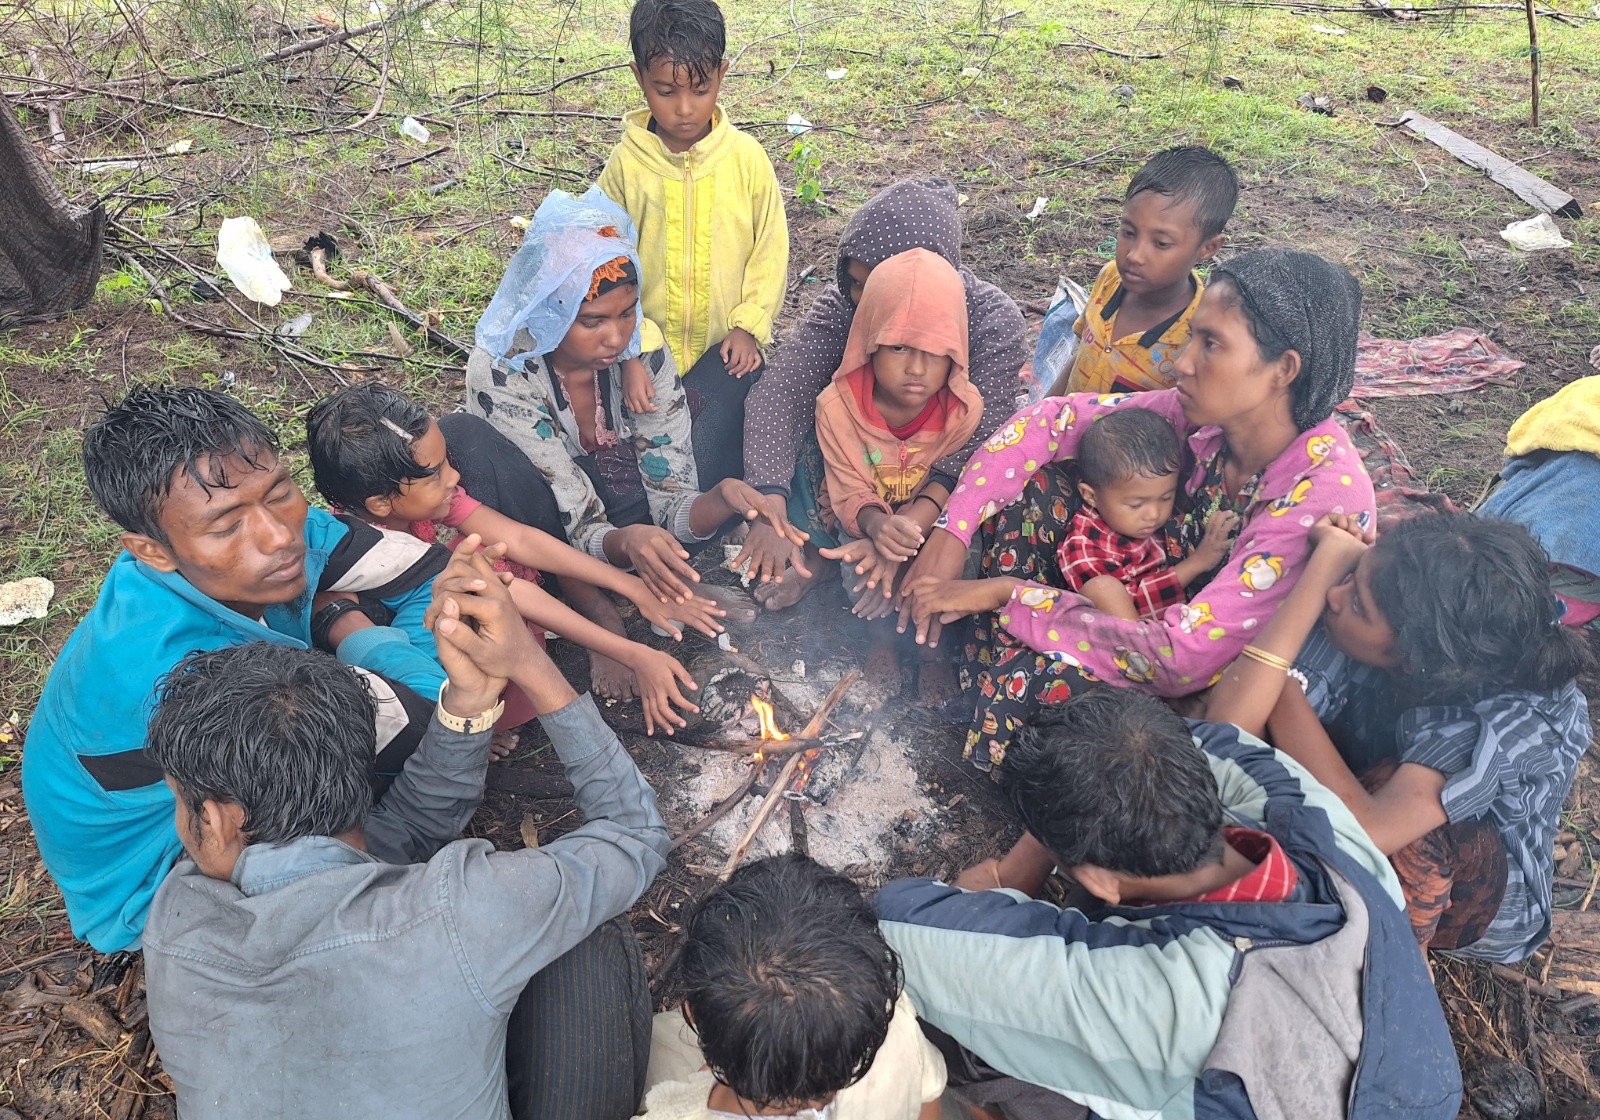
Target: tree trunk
(49, 249)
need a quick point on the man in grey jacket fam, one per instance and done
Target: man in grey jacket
(304, 962)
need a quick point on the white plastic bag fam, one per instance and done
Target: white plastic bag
(244, 254)
(1535, 233)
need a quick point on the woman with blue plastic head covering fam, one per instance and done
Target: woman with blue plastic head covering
(547, 376)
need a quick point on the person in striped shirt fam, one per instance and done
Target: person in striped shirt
(1435, 691)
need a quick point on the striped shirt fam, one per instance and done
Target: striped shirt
(1508, 759)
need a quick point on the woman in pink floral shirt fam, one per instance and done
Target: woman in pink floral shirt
(1272, 353)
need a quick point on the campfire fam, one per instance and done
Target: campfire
(784, 764)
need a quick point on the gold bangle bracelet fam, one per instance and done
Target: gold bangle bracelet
(1270, 660)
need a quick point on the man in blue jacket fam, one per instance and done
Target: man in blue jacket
(1244, 954)
(220, 550)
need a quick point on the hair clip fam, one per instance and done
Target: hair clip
(396, 428)
(1558, 610)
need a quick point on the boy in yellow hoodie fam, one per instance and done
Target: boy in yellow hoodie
(899, 402)
(713, 241)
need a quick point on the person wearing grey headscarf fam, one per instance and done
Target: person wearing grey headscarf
(1272, 354)
(1298, 301)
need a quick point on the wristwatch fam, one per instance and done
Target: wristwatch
(468, 725)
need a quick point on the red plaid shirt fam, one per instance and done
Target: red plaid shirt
(1093, 548)
(1274, 878)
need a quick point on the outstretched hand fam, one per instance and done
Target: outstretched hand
(700, 613)
(873, 571)
(661, 680)
(773, 544)
(660, 561)
(940, 559)
(933, 603)
(752, 505)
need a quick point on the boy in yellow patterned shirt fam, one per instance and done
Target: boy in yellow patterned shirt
(1137, 320)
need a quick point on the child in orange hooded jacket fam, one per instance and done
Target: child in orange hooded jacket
(899, 402)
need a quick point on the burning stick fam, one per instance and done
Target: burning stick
(781, 783)
(767, 748)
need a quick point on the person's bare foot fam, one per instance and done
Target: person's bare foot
(609, 679)
(936, 680)
(501, 744)
(882, 668)
(782, 596)
(741, 611)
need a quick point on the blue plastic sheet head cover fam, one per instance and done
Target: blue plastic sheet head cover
(539, 296)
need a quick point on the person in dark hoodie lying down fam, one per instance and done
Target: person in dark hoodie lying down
(780, 414)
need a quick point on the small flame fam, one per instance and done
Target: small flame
(764, 713)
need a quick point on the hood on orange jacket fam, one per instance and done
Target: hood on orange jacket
(914, 299)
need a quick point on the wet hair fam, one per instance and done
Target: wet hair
(1197, 176)
(287, 734)
(688, 33)
(133, 453)
(1469, 601)
(1125, 443)
(355, 453)
(789, 982)
(1113, 778)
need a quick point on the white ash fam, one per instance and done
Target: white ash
(852, 831)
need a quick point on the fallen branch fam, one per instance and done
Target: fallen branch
(1404, 14)
(132, 99)
(333, 38)
(1556, 991)
(365, 281)
(132, 1089)
(58, 132)
(266, 336)
(780, 785)
(383, 86)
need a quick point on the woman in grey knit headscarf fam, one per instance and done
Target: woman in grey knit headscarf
(1298, 301)
(1272, 354)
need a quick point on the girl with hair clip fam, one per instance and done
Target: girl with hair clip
(1428, 682)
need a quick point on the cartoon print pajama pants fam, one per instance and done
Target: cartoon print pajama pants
(1007, 680)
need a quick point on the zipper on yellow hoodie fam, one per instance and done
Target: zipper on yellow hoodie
(688, 259)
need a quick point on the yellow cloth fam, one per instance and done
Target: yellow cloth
(1568, 421)
(713, 240)
(907, 1072)
(1132, 363)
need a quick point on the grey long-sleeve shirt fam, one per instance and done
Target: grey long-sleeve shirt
(323, 982)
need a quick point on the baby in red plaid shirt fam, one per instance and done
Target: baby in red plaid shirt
(1115, 553)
